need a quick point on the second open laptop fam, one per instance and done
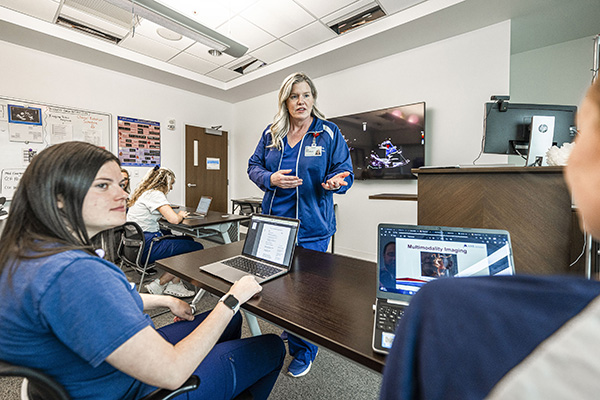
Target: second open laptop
(411, 255)
(268, 250)
(202, 209)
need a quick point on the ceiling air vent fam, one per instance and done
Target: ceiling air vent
(357, 20)
(96, 18)
(88, 30)
(247, 65)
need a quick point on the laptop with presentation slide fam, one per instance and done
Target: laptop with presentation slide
(202, 209)
(409, 256)
(268, 250)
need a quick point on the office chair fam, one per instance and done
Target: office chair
(39, 386)
(131, 249)
(2, 211)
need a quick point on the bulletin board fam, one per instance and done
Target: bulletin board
(28, 127)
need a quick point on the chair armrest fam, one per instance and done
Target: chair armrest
(164, 394)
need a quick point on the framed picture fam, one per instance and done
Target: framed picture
(24, 115)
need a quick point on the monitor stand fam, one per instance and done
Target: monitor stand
(540, 140)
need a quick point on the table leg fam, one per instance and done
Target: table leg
(252, 323)
(196, 299)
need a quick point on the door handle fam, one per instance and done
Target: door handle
(191, 185)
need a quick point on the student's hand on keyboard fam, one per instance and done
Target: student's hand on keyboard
(245, 288)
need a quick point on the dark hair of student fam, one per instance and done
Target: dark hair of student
(36, 226)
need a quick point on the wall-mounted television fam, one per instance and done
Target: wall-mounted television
(386, 143)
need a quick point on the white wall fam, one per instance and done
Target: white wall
(558, 74)
(40, 77)
(455, 77)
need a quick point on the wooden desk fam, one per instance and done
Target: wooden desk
(326, 298)
(532, 203)
(246, 206)
(227, 226)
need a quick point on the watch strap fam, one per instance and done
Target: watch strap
(230, 301)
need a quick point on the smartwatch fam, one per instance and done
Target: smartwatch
(230, 301)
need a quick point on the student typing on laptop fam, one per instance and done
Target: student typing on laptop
(147, 205)
(301, 160)
(518, 337)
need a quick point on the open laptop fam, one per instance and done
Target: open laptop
(268, 250)
(411, 255)
(202, 209)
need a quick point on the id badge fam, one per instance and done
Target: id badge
(313, 151)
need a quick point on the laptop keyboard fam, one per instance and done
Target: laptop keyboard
(253, 267)
(388, 317)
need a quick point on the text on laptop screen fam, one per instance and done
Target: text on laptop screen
(411, 256)
(271, 239)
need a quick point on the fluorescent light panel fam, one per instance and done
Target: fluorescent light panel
(171, 19)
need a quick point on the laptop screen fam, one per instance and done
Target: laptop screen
(203, 205)
(411, 255)
(271, 238)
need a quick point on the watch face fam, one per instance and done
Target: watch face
(231, 302)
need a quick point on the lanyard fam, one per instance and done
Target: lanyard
(315, 136)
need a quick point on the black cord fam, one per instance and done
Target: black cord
(484, 131)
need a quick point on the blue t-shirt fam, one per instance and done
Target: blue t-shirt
(284, 203)
(64, 314)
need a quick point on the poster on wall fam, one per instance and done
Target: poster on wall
(139, 142)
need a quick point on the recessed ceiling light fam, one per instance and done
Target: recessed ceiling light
(214, 52)
(168, 34)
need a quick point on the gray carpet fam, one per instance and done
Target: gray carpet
(332, 377)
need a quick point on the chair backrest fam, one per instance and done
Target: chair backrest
(40, 386)
(132, 244)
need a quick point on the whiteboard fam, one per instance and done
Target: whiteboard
(27, 127)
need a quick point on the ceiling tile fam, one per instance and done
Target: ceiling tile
(273, 52)
(188, 61)
(149, 30)
(208, 13)
(320, 8)
(239, 5)
(246, 33)
(278, 17)
(223, 74)
(149, 47)
(201, 51)
(42, 9)
(309, 36)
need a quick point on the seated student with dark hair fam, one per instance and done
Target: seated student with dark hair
(519, 337)
(74, 316)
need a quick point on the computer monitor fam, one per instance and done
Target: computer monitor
(508, 125)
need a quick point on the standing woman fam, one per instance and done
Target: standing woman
(147, 205)
(74, 316)
(301, 160)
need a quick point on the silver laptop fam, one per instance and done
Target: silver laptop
(202, 209)
(268, 250)
(409, 256)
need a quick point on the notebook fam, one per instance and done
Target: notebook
(268, 250)
(411, 255)
(202, 209)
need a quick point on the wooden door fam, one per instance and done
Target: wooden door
(205, 168)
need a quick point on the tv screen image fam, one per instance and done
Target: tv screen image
(386, 143)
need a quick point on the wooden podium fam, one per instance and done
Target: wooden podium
(532, 203)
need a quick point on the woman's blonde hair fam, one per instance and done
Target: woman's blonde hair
(281, 122)
(161, 179)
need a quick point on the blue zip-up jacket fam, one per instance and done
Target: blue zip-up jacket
(314, 207)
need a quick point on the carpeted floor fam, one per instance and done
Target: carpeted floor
(332, 377)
